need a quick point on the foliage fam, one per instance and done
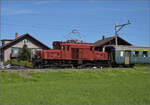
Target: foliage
(20, 63)
(110, 87)
(12, 61)
(25, 53)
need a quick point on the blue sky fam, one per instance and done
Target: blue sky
(51, 20)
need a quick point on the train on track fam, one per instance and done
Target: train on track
(83, 55)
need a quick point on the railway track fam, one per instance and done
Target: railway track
(66, 69)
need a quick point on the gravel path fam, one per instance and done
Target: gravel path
(59, 69)
(42, 70)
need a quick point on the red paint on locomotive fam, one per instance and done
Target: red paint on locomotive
(72, 51)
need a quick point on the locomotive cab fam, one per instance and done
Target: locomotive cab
(75, 51)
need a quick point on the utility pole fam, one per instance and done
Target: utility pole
(117, 30)
(116, 35)
(0, 34)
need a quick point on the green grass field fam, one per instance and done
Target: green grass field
(114, 87)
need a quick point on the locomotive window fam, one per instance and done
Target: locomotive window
(145, 54)
(68, 47)
(91, 48)
(63, 47)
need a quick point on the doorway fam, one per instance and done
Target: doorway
(127, 59)
(75, 53)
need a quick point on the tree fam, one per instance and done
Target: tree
(25, 53)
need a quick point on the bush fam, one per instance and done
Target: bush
(20, 63)
(25, 53)
(12, 61)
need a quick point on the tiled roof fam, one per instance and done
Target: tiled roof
(105, 40)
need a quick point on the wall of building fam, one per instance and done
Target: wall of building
(30, 44)
(6, 55)
(5, 42)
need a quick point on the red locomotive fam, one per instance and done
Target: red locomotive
(70, 54)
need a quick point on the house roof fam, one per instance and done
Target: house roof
(105, 40)
(22, 37)
(7, 40)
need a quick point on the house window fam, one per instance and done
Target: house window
(34, 51)
(15, 50)
(121, 53)
(25, 41)
(145, 54)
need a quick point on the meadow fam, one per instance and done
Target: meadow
(125, 86)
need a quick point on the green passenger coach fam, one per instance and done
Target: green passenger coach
(127, 55)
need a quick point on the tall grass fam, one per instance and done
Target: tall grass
(115, 86)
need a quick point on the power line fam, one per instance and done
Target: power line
(117, 30)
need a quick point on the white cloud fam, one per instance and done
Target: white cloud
(48, 1)
(41, 2)
(122, 9)
(12, 11)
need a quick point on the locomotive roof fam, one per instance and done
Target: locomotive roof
(124, 47)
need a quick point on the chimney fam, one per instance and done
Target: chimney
(16, 35)
(103, 37)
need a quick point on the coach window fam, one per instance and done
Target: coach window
(121, 53)
(133, 53)
(136, 53)
(145, 54)
(68, 47)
